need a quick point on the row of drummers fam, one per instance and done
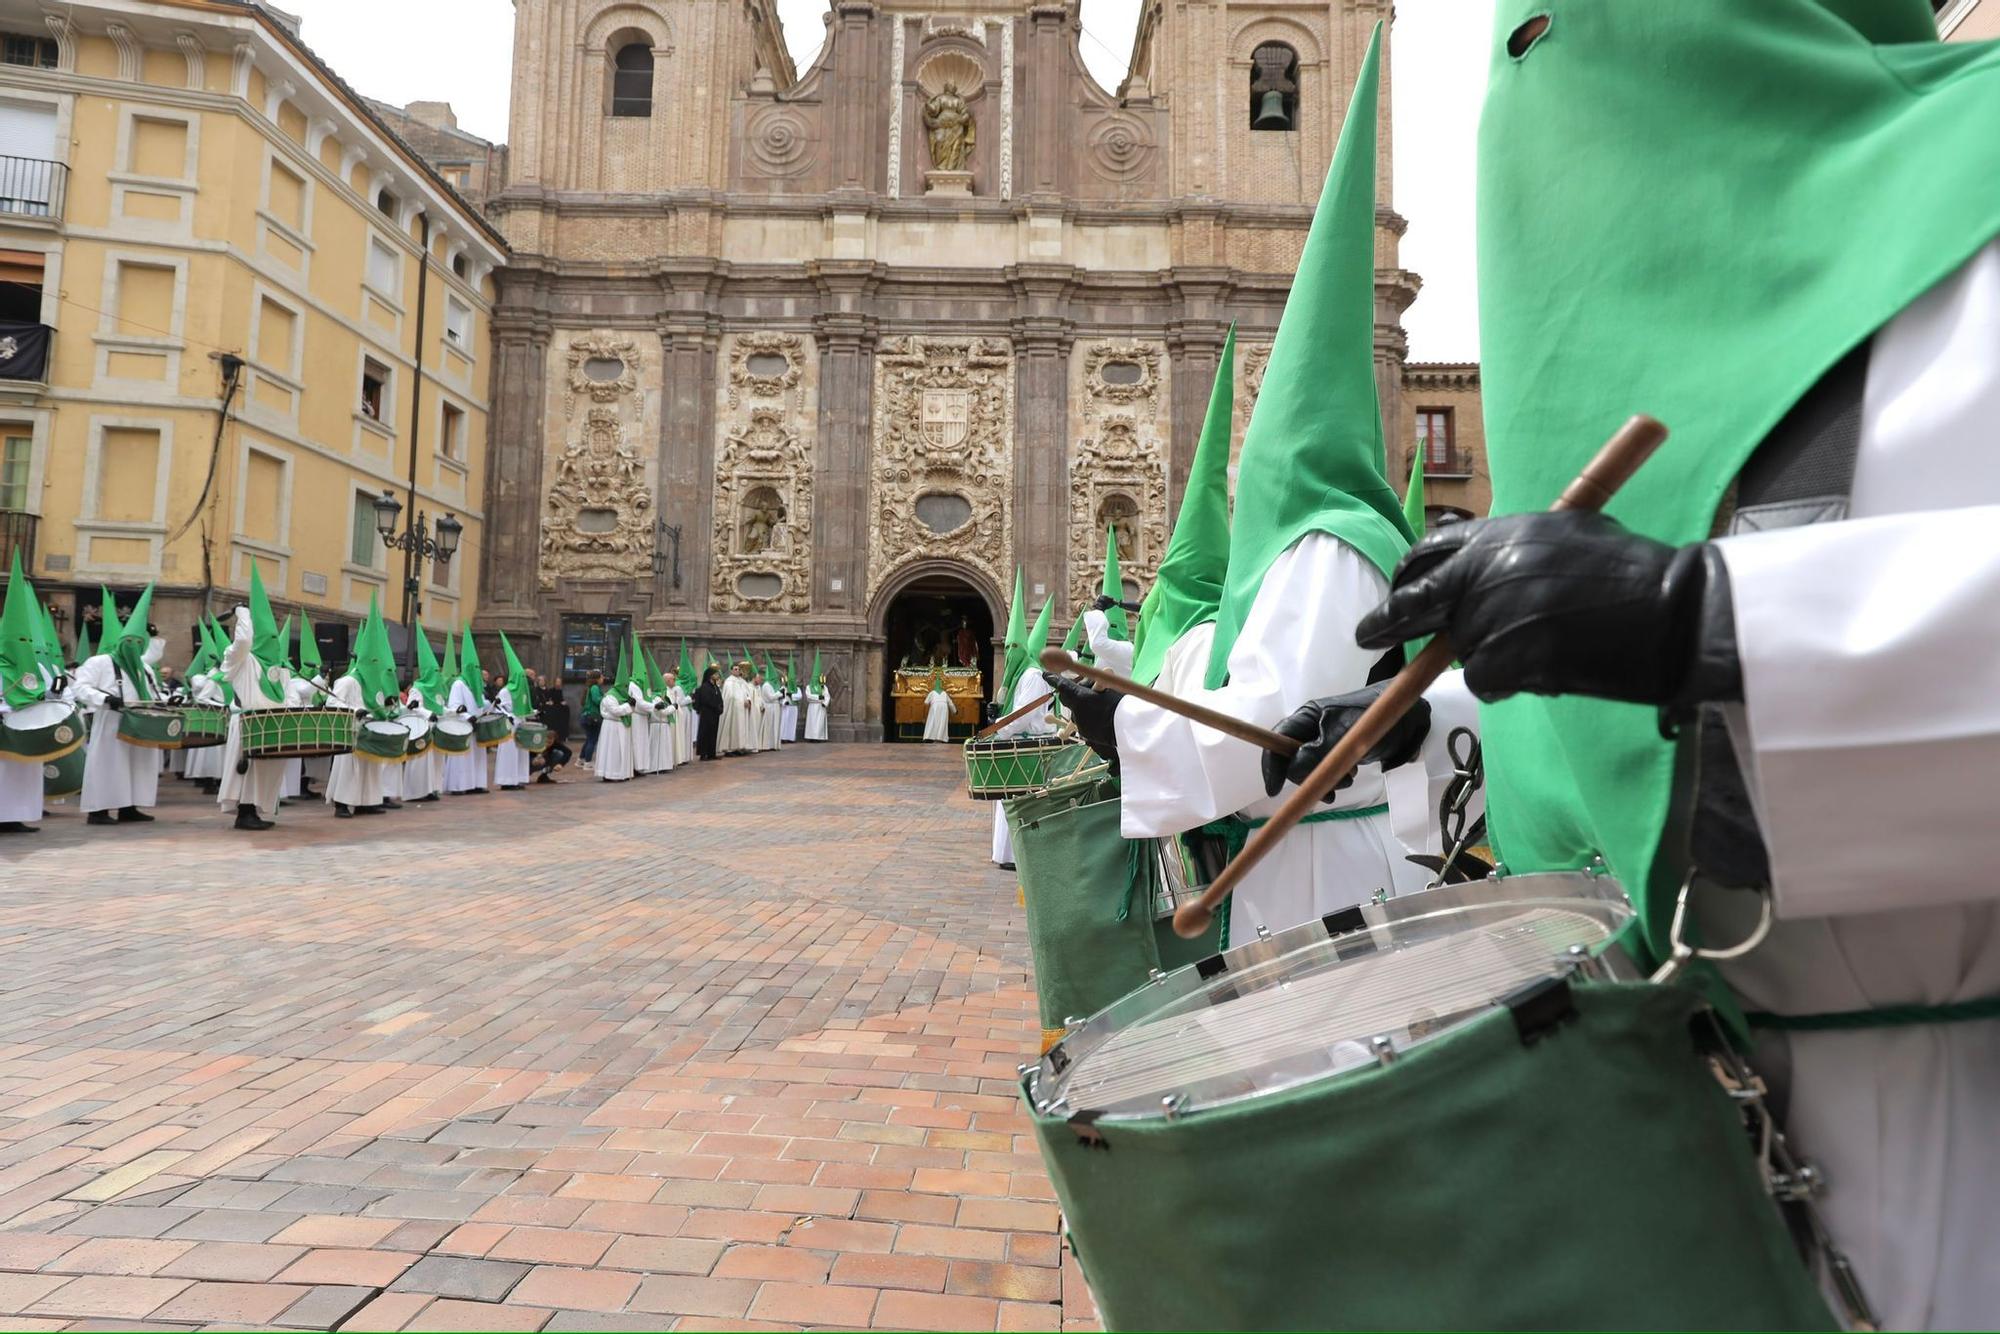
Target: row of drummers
(253, 719)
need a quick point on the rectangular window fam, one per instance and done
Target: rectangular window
(458, 323)
(1434, 440)
(382, 268)
(29, 175)
(288, 197)
(34, 52)
(263, 497)
(276, 327)
(157, 148)
(451, 434)
(128, 464)
(145, 300)
(362, 537)
(16, 451)
(374, 389)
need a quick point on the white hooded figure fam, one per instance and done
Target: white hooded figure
(465, 772)
(253, 787)
(1113, 655)
(510, 762)
(684, 721)
(770, 711)
(355, 786)
(204, 763)
(1031, 685)
(788, 722)
(733, 734)
(937, 714)
(117, 777)
(664, 730)
(641, 731)
(423, 775)
(614, 742)
(816, 701)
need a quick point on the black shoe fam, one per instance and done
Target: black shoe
(342, 811)
(480, 791)
(306, 788)
(16, 827)
(391, 805)
(1005, 866)
(210, 787)
(368, 810)
(100, 817)
(546, 779)
(133, 815)
(418, 801)
(247, 817)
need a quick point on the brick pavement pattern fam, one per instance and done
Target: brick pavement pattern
(727, 1048)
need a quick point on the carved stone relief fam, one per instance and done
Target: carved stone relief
(1251, 362)
(780, 143)
(1121, 147)
(597, 506)
(762, 553)
(1118, 467)
(944, 427)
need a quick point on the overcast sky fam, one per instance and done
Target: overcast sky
(395, 50)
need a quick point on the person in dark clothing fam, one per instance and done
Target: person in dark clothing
(708, 705)
(593, 721)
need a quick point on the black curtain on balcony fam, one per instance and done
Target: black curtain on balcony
(24, 351)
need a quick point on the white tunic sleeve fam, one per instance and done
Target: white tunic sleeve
(1297, 644)
(95, 680)
(1114, 655)
(1871, 647)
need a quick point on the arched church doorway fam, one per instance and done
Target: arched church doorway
(936, 623)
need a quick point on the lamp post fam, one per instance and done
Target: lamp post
(672, 533)
(417, 546)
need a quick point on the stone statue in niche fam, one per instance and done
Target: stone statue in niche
(763, 522)
(952, 133)
(1120, 515)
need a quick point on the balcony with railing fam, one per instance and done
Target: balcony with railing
(17, 533)
(32, 187)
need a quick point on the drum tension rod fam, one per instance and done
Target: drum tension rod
(1540, 1007)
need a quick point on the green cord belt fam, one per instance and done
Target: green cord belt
(1888, 1016)
(1320, 817)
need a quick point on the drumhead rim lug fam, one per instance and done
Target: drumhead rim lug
(1384, 1048)
(1173, 1105)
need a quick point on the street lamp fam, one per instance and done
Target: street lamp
(417, 546)
(672, 533)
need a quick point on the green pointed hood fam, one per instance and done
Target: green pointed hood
(1075, 643)
(1113, 587)
(83, 653)
(430, 679)
(937, 678)
(51, 646)
(449, 672)
(791, 668)
(518, 690)
(1313, 458)
(129, 652)
(310, 664)
(374, 665)
(109, 627)
(20, 641)
(1188, 588)
(1038, 634)
(623, 680)
(656, 681)
(265, 645)
(468, 666)
(1693, 210)
(1413, 498)
(685, 670)
(814, 679)
(218, 644)
(285, 653)
(1014, 648)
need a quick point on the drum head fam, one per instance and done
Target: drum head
(42, 713)
(1344, 992)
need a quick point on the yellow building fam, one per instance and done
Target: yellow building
(259, 311)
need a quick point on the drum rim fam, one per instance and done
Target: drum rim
(1611, 957)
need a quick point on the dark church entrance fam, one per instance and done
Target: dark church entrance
(937, 623)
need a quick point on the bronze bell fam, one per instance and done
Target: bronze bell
(1271, 113)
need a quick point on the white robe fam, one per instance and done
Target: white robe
(770, 712)
(424, 775)
(1871, 732)
(684, 722)
(1113, 655)
(262, 785)
(1297, 644)
(788, 723)
(664, 734)
(641, 731)
(510, 762)
(1032, 685)
(299, 694)
(115, 775)
(20, 785)
(937, 716)
(816, 714)
(465, 772)
(614, 740)
(204, 764)
(732, 732)
(355, 782)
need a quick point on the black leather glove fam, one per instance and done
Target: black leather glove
(114, 701)
(1093, 711)
(1567, 603)
(461, 710)
(242, 765)
(1319, 726)
(1105, 602)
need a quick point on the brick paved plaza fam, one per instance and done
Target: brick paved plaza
(728, 1048)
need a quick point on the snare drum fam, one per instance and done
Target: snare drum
(533, 737)
(43, 731)
(64, 777)
(381, 741)
(153, 726)
(206, 725)
(288, 734)
(1448, 1110)
(1011, 766)
(417, 729)
(491, 731)
(452, 734)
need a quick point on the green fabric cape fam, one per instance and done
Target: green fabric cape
(1313, 458)
(265, 646)
(430, 678)
(468, 666)
(129, 652)
(1693, 210)
(20, 641)
(1188, 588)
(1113, 587)
(517, 680)
(309, 659)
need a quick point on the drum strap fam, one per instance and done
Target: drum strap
(1317, 817)
(1887, 1016)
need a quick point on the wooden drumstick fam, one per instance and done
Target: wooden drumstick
(1614, 465)
(1055, 660)
(1022, 712)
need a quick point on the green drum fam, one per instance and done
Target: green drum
(1452, 1110)
(383, 741)
(533, 737)
(290, 734)
(46, 730)
(1011, 766)
(63, 777)
(1100, 906)
(154, 726)
(207, 725)
(417, 730)
(493, 730)
(452, 734)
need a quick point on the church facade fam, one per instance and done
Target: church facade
(813, 361)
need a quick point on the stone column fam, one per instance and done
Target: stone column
(1043, 336)
(510, 535)
(1194, 348)
(845, 333)
(857, 120)
(686, 488)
